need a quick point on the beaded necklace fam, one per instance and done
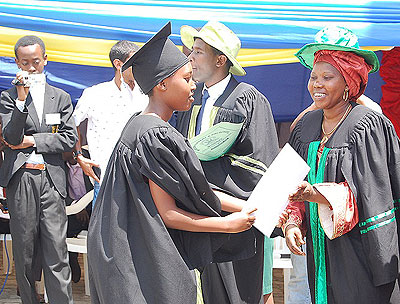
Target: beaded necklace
(328, 134)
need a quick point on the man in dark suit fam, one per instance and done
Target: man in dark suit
(37, 127)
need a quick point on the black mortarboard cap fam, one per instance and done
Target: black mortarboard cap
(156, 60)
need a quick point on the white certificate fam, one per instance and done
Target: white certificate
(270, 196)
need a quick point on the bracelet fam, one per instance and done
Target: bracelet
(76, 153)
(284, 226)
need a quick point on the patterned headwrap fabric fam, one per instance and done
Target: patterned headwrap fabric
(353, 68)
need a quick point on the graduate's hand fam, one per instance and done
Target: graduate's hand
(86, 165)
(283, 218)
(240, 221)
(27, 141)
(294, 239)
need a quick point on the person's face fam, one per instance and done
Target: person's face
(203, 61)
(180, 89)
(31, 59)
(326, 85)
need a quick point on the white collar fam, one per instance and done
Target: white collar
(115, 88)
(118, 91)
(217, 89)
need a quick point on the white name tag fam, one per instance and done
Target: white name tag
(53, 119)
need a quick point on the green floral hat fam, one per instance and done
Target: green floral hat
(339, 39)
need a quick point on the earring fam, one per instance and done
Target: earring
(346, 94)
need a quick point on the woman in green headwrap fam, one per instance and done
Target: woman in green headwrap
(353, 189)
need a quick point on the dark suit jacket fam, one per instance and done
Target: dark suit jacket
(16, 124)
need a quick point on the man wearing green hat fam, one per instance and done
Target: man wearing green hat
(219, 97)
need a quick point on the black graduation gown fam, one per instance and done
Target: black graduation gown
(237, 173)
(133, 257)
(361, 266)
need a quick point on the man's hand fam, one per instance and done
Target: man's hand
(27, 141)
(86, 165)
(294, 239)
(22, 91)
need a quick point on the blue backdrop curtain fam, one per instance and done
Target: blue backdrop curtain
(79, 34)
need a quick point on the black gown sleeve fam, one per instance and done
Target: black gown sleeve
(166, 158)
(371, 166)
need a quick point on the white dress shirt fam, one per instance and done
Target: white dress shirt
(107, 109)
(215, 91)
(36, 90)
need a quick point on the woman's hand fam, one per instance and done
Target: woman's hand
(306, 192)
(294, 239)
(240, 221)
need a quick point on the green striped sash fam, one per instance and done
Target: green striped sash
(199, 299)
(318, 234)
(247, 163)
(193, 119)
(213, 114)
(192, 122)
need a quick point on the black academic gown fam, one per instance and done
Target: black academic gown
(237, 173)
(361, 266)
(133, 257)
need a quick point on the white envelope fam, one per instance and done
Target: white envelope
(53, 119)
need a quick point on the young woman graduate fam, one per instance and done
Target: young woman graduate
(353, 188)
(156, 218)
